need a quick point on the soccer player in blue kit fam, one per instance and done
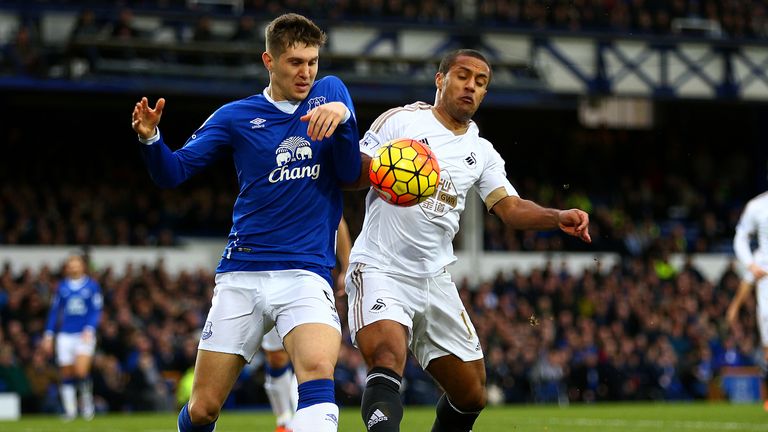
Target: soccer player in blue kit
(72, 322)
(293, 146)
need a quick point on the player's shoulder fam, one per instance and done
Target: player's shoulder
(94, 283)
(328, 81)
(400, 114)
(236, 106)
(484, 144)
(758, 202)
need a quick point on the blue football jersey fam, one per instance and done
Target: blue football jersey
(76, 305)
(289, 202)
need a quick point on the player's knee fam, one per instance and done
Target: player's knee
(202, 412)
(471, 399)
(386, 356)
(317, 368)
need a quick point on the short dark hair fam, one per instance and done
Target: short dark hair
(290, 29)
(449, 59)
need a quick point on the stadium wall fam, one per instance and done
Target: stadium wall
(204, 254)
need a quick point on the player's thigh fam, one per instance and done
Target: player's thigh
(445, 327)
(297, 297)
(376, 297)
(82, 366)
(236, 321)
(313, 349)
(384, 343)
(303, 308)
(66, 349)
(463, 381)
(215, 374)
(84, 351)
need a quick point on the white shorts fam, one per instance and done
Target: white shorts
(246, 305)
(71, 345)
(431, 309)
(272, 341)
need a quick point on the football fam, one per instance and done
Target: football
(404, 172)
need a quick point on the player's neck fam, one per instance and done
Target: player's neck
(450, 123)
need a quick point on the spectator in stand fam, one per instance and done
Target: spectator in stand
(25, 55)
(123, 28)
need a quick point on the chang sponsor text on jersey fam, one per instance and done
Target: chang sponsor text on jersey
(291, 150)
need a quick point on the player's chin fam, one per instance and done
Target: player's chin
(301, 92)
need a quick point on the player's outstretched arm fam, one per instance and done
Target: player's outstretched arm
(145, 119)
(524, 214)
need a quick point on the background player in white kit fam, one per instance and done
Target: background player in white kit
(72, 323)
(753, 222)
(279, 381)
(400, 294)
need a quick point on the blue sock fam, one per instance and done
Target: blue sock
(316, 392)
(185, 423)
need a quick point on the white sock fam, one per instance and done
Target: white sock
(283, 395)
(69, 400)
(322, 417)
(86, 397)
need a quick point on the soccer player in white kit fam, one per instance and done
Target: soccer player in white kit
(400, 295)
(753, 222)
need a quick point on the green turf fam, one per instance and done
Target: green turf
(698, 417)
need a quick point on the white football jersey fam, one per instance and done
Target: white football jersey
(753, 221)
(418, 240)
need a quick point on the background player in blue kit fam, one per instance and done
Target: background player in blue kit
(72, 322)
(292, 145)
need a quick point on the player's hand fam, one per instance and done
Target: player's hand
(47, 345)
(575, 222)
(324, 119)
(757, 271)
(145, 119)
(87, 336)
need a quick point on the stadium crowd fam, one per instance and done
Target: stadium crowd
(639, 331)
(679, 205)
(717, 18)
(181, 22)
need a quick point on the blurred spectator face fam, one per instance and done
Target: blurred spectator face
(462, 89)
(6, 356)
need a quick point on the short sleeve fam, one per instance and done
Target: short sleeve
(384, 129)
(493, 184)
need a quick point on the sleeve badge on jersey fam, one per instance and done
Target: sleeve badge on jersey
(315, 102)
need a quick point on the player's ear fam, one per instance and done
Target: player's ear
(439, 81)
(267, 60)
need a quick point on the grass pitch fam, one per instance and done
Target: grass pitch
(662, 417)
